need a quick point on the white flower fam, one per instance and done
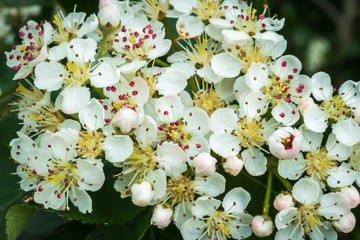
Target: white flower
(346, 223)
(138, 42)
(325, 164)
(285, 142)
(231, 133)
(279, 84)
(233, 165)
(352, 195)
(161, 216)
(33, 49)
(262, 227)
(209, 222)
(185, 127)
(109, 14)
(312, 213)
(204, 164)
(156, 9)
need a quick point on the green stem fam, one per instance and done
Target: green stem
(170, 34)
(192, 85)
(268, 194)
(256, 180)
(103, 44)
(285, 182)
(161, 63)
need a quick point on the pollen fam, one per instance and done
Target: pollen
(250, 133)
(209, 100)
(175, 132)
(318, 164)
(307, 218)
(90, 144)
(219, 225)
(141, 161)
(336, 108)
(181, 189)
(249, 55)
(208, 9)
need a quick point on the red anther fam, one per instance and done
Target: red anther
(198, 145)
(153, 36)
(124, 39)
(132, 84)
(290, 77)
(161, 128)
(50, 171)
(263, 25)
(113, 88)
(34, 171)
(261, 16)
(59, 195)
(166, 113)
(282, 115)
(40, 188)
(134, 93)
(283, 63)
(295, 70)
(191, 157)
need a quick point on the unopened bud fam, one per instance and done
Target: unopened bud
(283, 200)
(285, 142)
(161, 216)
(204, 164)
(262, 227)
(126, 119)
(305, 104)
(142, 193)
(233, 165)
(351, 195)
(109, 13)
(346, 223)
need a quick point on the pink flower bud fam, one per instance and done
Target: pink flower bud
(161, 216)
(262, 227)
(126, 119)
(109, 14)
(305, 104)
(233, 165)
(283, 200)
(285, 142)
(352, 195)
(204, 164)
(346, 223)
(142, 193)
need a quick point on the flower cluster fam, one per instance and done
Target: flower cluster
(179, 115)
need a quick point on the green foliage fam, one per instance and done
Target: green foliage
(16, 219)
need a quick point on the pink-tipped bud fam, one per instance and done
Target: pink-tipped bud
(204, 164)
(346, 223)
(142, 193)
(126, 119)
(262, 227)
(352, 195)
(305, 104)
(109, 14)
(283, 200)
(161, 216)
(233, 165)
(285, 142)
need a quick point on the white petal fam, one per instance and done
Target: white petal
(285, 217)
(192, 229)
(324, 231)
(58, 52)
(49, 76)
(20, 147)
(197, 121)
(179, 56)
(139, 90)
(117, 148)
(146, 133)
(341, 176)
(81, 50)
(273, 24)
(74, 98)
(285, 113)
(321, 86)
(81, 199)
(197, 145)
(104, 75)
(189, 26)
(171, 158)
(257, 76)
(236, 200)
(183, 6)
(287, 67)
(347, 132)
(235, 37)
(254, 161)
(300, 88)
(212, 186)
(306, 191)
(169, 108)
(205, 206)
(225, 65)
(158, 180)
(292, 232)
(349, 92)
(224, 144)
(333, 206)
(172, 82)
(208, 74)
(133, 66)
(271, 44)
(337, 150)
(161, 48)
(224, 119)
(312, 140)
(315, 118)
(292, 168)
(92, 115)
(91, 174)
(255, 104)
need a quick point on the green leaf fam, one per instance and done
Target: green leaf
(16, 219)
(108, 207)
(12, 3)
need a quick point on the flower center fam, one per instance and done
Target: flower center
(207, 9)
(78, 73)
(307, 218)
(209, 100)
(135, 45)
(336, 108)
(218, 225)
(156, 9)
(63, 34)
(141, 160)
(175, 132)
(181, 189)
(278, 90)
(288, 142)
(90, 143)
(250, 133)
(318, 163)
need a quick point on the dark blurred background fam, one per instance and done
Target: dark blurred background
(323, 34)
